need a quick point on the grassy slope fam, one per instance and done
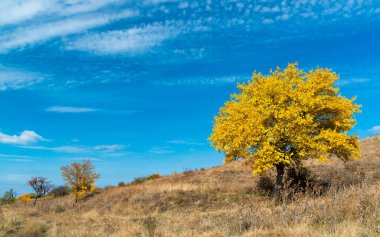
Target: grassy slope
(221, 201)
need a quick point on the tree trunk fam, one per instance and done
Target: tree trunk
(279, 182)
(35, 201)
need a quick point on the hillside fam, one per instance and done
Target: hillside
(222, 201)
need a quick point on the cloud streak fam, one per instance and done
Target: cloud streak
(34, 34)
(80, 149)
(14, 79)
(161, 150)
(203, 81)
(114, 147)
(375, 130)
(135, 40)
(345, 82)
(69, 109)
(17, 11)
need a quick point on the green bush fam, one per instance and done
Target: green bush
(60, 191)
(122, 184)
(9, 197)
(140, 180)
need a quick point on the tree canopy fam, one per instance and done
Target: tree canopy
(80, 177)
(40, 185)
(285, 117)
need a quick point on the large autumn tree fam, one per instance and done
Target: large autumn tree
(279, 120)
(80, 177)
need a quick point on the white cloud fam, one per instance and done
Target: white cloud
(133, 41)
(68, 109)
(17, 79)
(40, 20)
(26, 137)
(13, 11)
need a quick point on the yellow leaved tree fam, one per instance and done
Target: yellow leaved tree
(25, 198)
(279, 120)
(80, 177)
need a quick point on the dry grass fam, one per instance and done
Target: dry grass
(222, 201)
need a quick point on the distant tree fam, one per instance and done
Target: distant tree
(122, 184)
(9, 197)
(80, 177)
(283, 118)
(60, 191)
(40, 186)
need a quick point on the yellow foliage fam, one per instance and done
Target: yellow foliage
(80, 177)
(25, 198)
(286, 117)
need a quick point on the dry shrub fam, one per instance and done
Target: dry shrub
(265, 186)
(9, 223)
(150, 224)
(33, 228)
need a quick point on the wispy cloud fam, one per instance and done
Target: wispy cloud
(114, 147)
(74, 109)
(26, 137)
(63, 149)
(82, 6)
(345, 82)
(33, 34)
(69, 109)
(161, 150)
(203, 81)
(13, 79)
(36, 21)
(15, 158)
(12, 11)
(375, 130)
(15, 177)
(78, 149)
(135, 40)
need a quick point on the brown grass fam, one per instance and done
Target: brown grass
(222, 201)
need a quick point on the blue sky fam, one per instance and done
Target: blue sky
(134, 85)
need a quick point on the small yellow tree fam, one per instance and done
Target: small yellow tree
(80, 177)
(283, 118)
(25, 198)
